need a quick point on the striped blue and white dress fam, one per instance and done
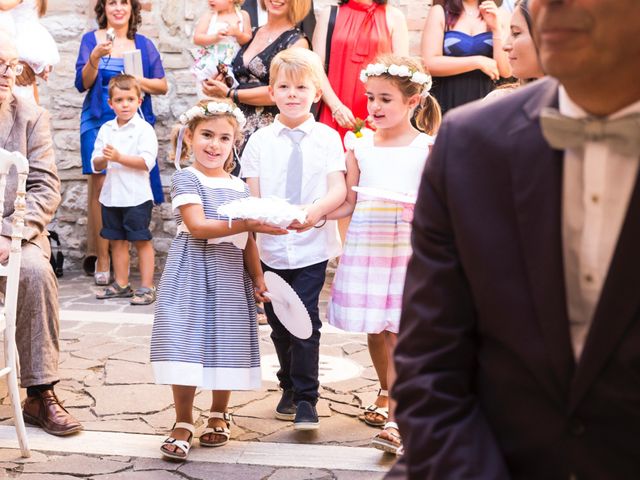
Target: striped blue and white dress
(205, 332)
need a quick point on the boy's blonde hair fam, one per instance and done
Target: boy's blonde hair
(297, 62)
(298, 9)
(123, 81)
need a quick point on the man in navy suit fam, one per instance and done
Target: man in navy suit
(253, 9)
(519, 348)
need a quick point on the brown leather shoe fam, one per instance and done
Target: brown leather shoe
(46, 412)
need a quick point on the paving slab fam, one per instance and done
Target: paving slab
(207, 471)
(117, 399)
(301, 474)
(120, 372)
(131, 475)
(76, 465)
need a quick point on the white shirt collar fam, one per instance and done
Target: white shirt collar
(305, 126)
(571, 109)
(134, 122)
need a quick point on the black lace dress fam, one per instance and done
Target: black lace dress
(256, 74)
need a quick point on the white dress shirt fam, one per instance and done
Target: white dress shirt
(597, 186)
(266, 157)
(126, 186)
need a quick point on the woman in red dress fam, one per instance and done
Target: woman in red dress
(363, 29)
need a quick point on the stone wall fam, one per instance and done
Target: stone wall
(169, 23)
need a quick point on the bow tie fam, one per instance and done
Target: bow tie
(622, 135)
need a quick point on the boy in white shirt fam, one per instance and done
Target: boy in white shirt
(127, 147)
(300, 160)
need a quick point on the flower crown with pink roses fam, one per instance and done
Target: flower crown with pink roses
(377, 69)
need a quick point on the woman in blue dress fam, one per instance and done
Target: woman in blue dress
(462, 50)
(100, 58)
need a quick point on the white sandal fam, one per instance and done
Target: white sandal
(183, 445)
(388, 445)
(375, 409)
(222, 431)
(102, 278)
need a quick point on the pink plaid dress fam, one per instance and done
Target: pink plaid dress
(367, 291)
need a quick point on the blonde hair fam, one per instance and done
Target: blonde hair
(298, 9)
(297, 62)
(429, 115)
(191, 125)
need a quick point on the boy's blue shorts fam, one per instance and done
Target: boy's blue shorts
(127, 223)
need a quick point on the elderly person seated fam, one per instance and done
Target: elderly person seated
(24, 127)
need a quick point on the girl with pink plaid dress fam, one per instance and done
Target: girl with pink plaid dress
(385, 167)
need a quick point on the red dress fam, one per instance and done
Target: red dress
(360, 35)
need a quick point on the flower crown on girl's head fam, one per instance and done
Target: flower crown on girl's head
(415, 76)
(208, 110)
(211, 109)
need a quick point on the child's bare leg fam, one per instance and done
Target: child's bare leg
(379, 356)
(146, 259)
(120, 253)
(183, 400)
(391, 339)
(219, 403)
(391, 434)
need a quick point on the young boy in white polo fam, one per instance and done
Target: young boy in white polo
(301, 160)
(127, 147)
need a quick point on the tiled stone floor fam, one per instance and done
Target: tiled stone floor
(106, 382)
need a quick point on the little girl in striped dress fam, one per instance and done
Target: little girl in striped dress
(204, 329)
(386, 166)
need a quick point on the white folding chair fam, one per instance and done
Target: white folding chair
(12, 273)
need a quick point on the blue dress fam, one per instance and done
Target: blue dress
(96, 110)
(456, 90)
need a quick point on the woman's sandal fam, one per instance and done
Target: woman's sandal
(115, 291)
(101, 278)
(374, 409)
(221, 431)
(386, 444)
(182, 446)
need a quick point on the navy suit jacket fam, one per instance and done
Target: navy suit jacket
(487, 383)
(307, 26)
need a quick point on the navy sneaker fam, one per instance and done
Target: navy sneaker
(306, 417)
(286, 409)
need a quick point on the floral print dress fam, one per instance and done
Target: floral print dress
(255, 73)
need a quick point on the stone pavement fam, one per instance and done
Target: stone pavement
(107, 383)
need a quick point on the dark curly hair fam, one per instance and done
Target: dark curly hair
(134, 20)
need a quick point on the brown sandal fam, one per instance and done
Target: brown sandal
(115, 291)
(143, 296)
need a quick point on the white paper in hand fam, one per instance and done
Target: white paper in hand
(133, 63)
(288, 307)
(273, 211)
